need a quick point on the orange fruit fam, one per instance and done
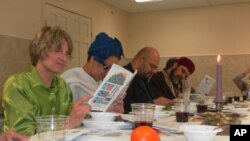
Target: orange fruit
(144, 133)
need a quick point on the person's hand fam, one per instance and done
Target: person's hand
(13, 136)
(169, 102)
(163, 101)
(116, 106)
(79, 110)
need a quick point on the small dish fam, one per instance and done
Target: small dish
(159, 108)
(162, 114)
(103, 116)
(241, 111)
(172, 127)
(200, 132)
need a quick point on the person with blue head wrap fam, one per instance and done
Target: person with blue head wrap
(102, 53)
(104, 47)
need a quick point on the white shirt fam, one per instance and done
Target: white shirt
(80, 82)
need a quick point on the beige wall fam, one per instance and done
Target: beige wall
(20, 18)
(23, 18)
(14, 58)
(104, 17)
(192, 32)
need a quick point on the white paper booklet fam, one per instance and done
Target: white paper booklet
(206, 85)
(113, 86)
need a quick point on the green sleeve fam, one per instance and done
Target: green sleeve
(19, 108)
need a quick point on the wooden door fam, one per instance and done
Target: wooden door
(78, 26)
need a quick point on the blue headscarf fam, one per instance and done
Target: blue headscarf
(104, 47)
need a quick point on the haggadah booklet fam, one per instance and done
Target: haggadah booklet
(206, 85)
(112, 88)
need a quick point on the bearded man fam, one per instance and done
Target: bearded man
(165, 85)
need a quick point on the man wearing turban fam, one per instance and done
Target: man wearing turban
(166, 84)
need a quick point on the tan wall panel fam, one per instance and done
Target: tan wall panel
(14, 58)
(232, 65)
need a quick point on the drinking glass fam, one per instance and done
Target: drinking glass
(244, 95)
(51, 127)
(182, 110)
(229, 96)
(236, 97)
(143, 114)
(186, 89)
(201, 108)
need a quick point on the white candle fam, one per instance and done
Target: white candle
(219, 80)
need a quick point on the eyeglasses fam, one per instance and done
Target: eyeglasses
(106, 67)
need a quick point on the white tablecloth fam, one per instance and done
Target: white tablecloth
(126, 137)
(163, 121)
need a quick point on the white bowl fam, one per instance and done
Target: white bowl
(199, 132)
(159, 108)
(192, 107)
(103, 116)
(240, 111)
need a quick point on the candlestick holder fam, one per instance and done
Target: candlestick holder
(221, 119)
(218, 106)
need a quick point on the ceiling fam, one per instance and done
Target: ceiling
(133, 7)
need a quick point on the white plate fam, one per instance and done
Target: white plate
(241, 111)
(169, 125)
(174, 129)
(158, 108)
(107, 125)
(73, 133)
(103, 135)
(157, 114)
(162, 114)
(128, 117)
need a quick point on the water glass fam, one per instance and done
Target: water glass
(229, 100)
(236, 97)
(51, 127)
(143, 114)
(186, 89)
(182, 110)
(229, 96)
(201, 108)
(244, 95)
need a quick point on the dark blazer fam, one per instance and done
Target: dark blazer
(158, 86)
(137, 92)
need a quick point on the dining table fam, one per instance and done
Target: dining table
(165, 124)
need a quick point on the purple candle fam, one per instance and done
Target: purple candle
(219, 80)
